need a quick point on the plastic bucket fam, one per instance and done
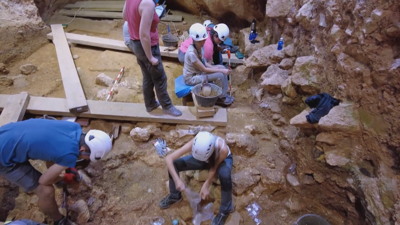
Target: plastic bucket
(207, 101)
(311, 219)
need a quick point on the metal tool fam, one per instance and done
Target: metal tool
(64, 205)
(229, 76)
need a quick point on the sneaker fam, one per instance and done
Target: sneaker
(220, 219)
(168, 201)
(66, 221)
(153, 108)
(172, 111)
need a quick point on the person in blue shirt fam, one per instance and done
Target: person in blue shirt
(59, 142)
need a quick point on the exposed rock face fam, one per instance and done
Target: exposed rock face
(226, 11)
(353, 57)
(22, 23)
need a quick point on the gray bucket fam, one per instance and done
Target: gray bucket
(207, 101)
(311, 219)
(170, 40)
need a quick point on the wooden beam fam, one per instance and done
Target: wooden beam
(120, 111)
(91, 14)
(172, 18)
(14, 109)
(120, 45)
(106, 5)
(72, 85)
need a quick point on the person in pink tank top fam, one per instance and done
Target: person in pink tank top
(217, 34)
(142, 26)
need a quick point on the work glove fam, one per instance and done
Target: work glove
(71, 176)
(161, 147)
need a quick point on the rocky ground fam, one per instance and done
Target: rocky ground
(344, 168)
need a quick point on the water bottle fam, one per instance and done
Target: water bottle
(280, 44)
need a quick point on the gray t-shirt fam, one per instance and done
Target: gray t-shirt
(189, 69)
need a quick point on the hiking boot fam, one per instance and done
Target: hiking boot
(66, 221)
(153, 107)
(172, 111)
(168, 201)
(220, 219)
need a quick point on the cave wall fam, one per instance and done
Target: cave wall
(355, 45)
(22, 28)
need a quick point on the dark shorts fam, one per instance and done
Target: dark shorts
(21, 174)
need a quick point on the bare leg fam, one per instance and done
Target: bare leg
(47, 202)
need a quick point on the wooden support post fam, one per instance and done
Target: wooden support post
(203, 111)
(76, 99)
(15, 108)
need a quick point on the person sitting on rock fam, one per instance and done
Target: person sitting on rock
(197, 70)
(217, 34)
(60, 142)
(208, 152)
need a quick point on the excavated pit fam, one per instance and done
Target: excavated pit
(345, 169)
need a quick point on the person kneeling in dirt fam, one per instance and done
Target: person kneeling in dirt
(61, 142)
(195, 65)
(208, 152)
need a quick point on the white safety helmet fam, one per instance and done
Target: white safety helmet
(99, 144)
(222, 31)
(203, 146)
(198, 32)
(207, 22)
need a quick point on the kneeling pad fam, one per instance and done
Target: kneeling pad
(181, 89)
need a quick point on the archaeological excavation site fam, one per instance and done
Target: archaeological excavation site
(153, 112)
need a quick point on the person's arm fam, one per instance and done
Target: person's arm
(169, 160)
(124, 12)
(211, 69)
(211, 173)
(210, 65)
(52, 175)
(146, 11)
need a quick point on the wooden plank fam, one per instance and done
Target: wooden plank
(120, 111)
(202, 111)
(120, 45)
(91, 14)
(108, 5)
(14, 109)
(104, 13)
(72, 85)
(173, 18)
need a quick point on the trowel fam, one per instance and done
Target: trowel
(206, 88)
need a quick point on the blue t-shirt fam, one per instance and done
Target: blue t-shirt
(48, 140)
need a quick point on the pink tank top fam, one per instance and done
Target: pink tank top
(208, 47)
(134, 18)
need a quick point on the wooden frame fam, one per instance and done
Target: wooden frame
(76, 99)
(118, 111)
(120, 45)
(14, 109)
